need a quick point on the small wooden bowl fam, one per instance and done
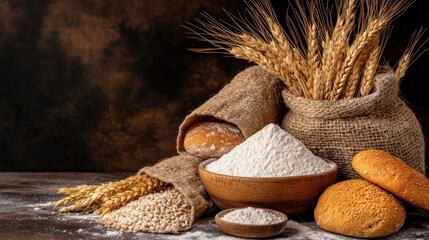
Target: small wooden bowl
(290, 195)
(250, 231)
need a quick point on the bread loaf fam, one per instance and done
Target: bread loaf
(212, 139)
(359, 208)
(394, 175)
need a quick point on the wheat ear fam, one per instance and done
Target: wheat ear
(371, 66)
(286, 54)
(365, 63)
(341, 37)
(80, 188)
(91, 198)
(121, 198)
(360, 43)
(313, 61)
(369, 71)
(355, 75)
(75, 194)
(408, 57)
(289, 57)
(388, 10)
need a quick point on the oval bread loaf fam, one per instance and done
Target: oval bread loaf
(212, 139)
(359, 208)
(394, 175)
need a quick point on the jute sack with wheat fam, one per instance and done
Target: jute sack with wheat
(165, 198)
(340, 99)
(182, 173)
(337, 130)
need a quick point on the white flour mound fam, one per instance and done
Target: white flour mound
(270, 152)
(253, 216)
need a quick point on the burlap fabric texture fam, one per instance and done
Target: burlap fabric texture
(182, 173)
(337, 130)
(250, 101)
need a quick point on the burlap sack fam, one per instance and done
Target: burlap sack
(337, 130)
(182, 172)
(250, 101)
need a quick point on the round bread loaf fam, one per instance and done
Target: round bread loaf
(394, 175)
(212, 139)
(359, 208)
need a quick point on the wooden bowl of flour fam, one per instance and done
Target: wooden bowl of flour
(291, 195)
(251, 230)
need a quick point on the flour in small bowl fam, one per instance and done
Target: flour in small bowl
(252, 216)
(270, 152)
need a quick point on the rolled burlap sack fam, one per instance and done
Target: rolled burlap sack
(250, 101)
(337, 130)
(182, 173)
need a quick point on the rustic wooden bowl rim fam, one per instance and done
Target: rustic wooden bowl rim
(220, 214)
(333, 170)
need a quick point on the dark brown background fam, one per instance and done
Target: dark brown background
(103, 85)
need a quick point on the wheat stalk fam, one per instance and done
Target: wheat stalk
(93, 197)
(408, 57)
(313, 61)
(76, 193)
(371, 66)
(287, 57)
(369, 71)
(376, 25)
(80, 188)
(84, 204)
(339, 41)
(402, 67)
(287, 54)
(271, 66)
(325, 25)
(84, 207)
(335, 70)
(361, 66)
(121, 198)
(257, 44)
(301, 63)
(362, 41)
(355, 76)
(319, 87)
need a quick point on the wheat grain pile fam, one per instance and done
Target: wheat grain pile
(316, 59)
(164, 210)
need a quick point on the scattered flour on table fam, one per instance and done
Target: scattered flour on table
(47, 204)
(294, 230)
(40, 206)
(270, 152)
(76, 216)
(112, 233)
(305, 232)
(254, 216)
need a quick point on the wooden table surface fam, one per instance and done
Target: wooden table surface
(26, 213)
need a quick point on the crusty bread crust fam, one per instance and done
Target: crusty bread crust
(212, 139)
(394, 175)
(359, 208)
